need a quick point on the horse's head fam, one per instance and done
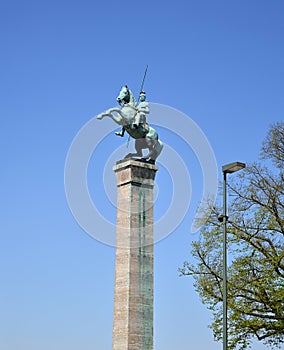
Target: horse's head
(124, 95)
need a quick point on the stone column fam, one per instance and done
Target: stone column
(133, 293)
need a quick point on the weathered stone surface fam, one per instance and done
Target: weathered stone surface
(133, 296)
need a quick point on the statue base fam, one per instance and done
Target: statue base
(143, 160)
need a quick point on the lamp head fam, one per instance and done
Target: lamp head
(233, 167)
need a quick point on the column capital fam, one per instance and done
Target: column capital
(135, 172)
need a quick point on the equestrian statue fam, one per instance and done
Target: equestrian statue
(132, 118)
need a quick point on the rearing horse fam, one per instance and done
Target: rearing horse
(125, 116)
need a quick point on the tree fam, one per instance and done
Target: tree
(255, 251)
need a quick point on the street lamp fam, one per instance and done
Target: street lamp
(227, 169)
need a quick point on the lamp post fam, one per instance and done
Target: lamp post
(226, 169)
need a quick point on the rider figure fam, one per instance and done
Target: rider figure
(140, 117)
(143, 109)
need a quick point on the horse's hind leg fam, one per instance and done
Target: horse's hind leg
(155, 148)
(138, 147)
(150, 145)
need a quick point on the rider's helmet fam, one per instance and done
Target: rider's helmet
(142, 95)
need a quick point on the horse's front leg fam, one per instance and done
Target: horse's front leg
(109, 113)
(102, 115)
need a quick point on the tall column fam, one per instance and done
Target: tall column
(133, 293)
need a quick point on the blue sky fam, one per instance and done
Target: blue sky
(62, 63)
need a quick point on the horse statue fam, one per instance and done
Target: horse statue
(145, 136)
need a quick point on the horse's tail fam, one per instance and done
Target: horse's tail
(158, 146)
(152, 133)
